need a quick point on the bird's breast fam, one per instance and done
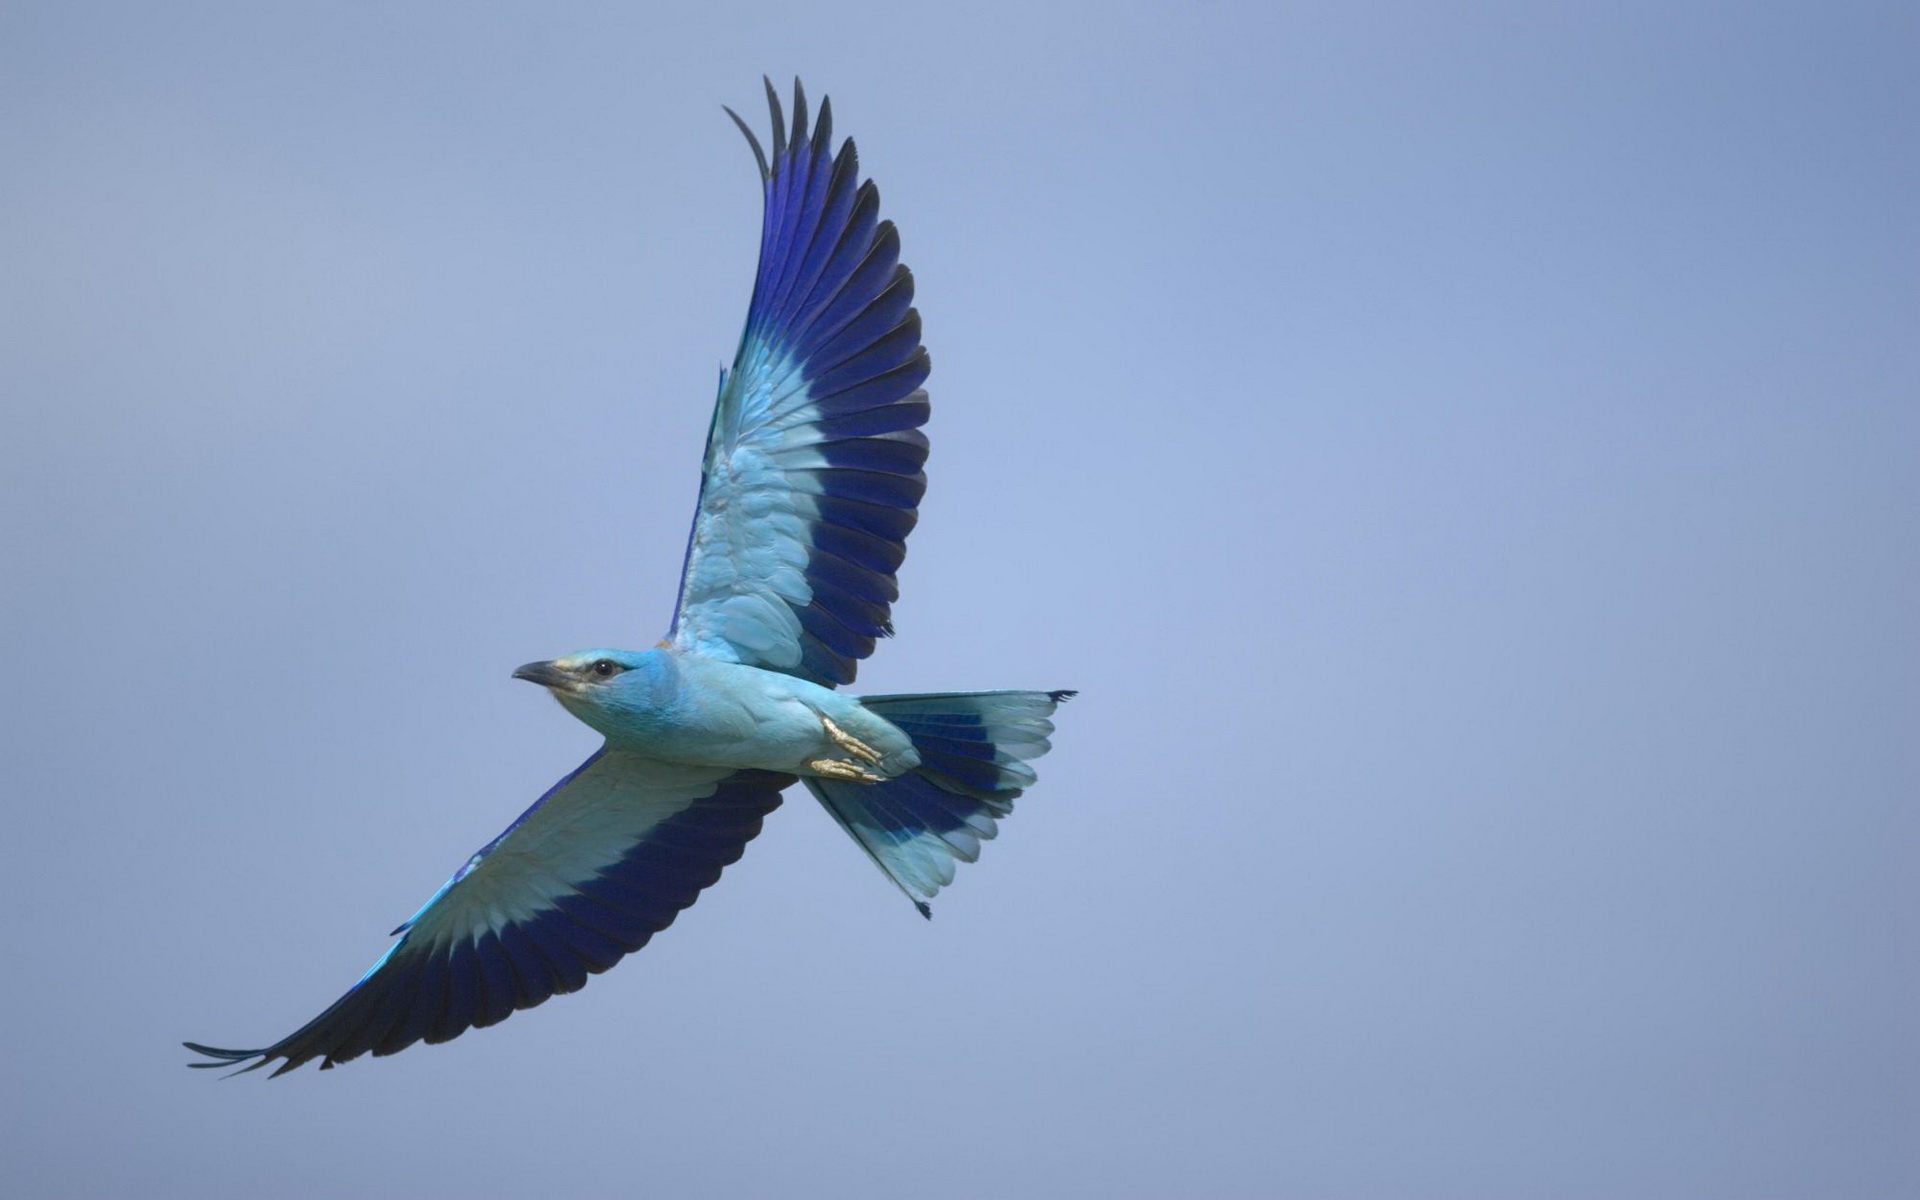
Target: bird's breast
(722, 714)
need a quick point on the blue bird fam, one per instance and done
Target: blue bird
(810, 485)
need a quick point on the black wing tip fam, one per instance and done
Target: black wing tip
(926, 910)
(790, 136)
(759, 152)
(779, 119)
(220, 1052)
(229, 1058)
(1063, 695)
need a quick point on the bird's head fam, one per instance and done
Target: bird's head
(581, 674)
(608, 689)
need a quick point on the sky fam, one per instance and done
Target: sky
(1464, 455)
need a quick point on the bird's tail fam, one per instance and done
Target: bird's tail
(974, 750)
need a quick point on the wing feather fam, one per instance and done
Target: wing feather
(602, 862)
(813, 471)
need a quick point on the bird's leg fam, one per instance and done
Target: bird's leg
(840, 768)
(846, 741)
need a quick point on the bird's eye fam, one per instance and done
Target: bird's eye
(605, 668)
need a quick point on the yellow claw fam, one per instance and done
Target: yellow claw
(840, 768)
(851, 744)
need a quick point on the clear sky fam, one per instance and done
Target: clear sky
(1464, 454)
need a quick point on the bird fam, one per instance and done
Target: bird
(810, 483)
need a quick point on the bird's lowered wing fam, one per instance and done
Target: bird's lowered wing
(812, 476)
(602, 862)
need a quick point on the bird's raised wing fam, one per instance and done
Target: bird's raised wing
(602, 862)
(813, 466)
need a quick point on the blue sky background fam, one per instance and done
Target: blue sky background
(1465, 455)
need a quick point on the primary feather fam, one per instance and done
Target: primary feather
(812, 477)
(602, 862)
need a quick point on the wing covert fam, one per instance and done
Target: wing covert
(812, 476)
(597, 866)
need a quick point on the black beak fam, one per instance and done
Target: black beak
(545, 674)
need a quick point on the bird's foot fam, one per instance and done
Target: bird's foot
(840, 768)
(851, 744)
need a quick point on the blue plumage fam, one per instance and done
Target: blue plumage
(821, 408)
(973, 748)
(469, 960)
(812, 480)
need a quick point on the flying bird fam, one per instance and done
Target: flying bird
(810, 484)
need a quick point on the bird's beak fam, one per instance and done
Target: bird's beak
(545, 674)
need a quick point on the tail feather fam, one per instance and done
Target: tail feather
(974, 753)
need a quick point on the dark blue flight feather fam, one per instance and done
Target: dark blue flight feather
(813, 464)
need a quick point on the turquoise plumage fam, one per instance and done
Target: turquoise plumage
(811, 483)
